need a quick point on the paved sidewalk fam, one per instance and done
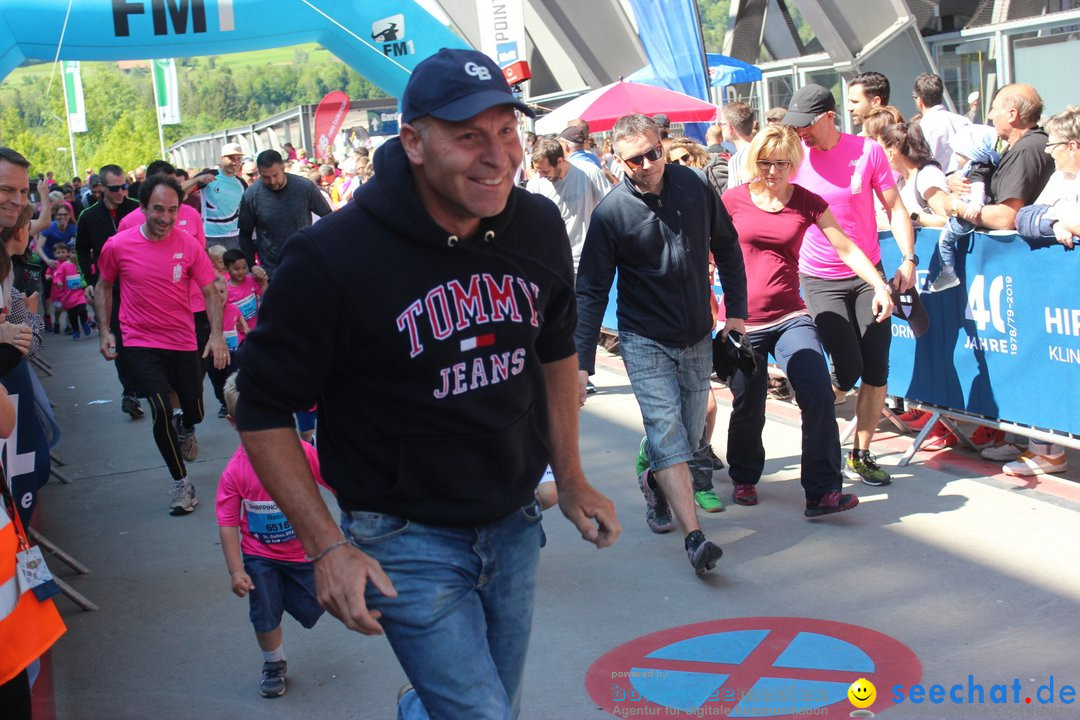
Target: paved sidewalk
(975, 573)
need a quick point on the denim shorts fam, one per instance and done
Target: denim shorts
(281, 586)
(671, 385)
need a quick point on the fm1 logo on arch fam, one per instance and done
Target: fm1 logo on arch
(774, 667)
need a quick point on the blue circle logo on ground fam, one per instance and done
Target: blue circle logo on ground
(748, 667)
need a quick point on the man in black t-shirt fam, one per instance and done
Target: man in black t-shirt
(1024, 168)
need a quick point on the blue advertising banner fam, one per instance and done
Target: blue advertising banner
(1005, 343)
(383, 40)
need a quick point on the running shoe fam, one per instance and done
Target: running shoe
(867, 470)
(657, 513)
(130, 405)
(708, 501)
(184, 500)
(829, 503)
(745, 494)
(272, 683)
(703, 553)
(984, 437)
(1031, 464)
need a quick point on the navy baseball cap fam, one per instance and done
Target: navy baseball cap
(455, 85)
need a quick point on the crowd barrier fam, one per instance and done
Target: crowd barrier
(1003, 345)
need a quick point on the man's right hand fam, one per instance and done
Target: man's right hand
(583, 387)
(108, 345)
(340, 579)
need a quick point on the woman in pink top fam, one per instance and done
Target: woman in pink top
(771, 216)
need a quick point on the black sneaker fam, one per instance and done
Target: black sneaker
(829, 503)
(273, 679)
(703, 553)
(657, 513)
(717, 463)
(130, 405)
(223, 412)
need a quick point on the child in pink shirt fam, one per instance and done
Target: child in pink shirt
(233, 328)
(266, 561)
(68, 293)
(245, 289)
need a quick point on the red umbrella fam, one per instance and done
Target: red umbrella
(603, 106)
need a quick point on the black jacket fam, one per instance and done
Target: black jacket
(95, 226)
(427, 368)
(660, 245)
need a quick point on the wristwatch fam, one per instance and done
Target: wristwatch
(913, 259)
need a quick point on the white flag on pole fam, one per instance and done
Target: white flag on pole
(73, 96)
(166, 91)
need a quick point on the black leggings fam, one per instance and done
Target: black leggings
(857, 345)
(77, 317)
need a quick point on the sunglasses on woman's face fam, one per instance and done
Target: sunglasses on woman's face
(652, 156)
(683, 159)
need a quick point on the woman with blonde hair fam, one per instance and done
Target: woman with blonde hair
(771, 215)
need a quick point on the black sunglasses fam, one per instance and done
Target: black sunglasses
(652, 156)
(116, 188)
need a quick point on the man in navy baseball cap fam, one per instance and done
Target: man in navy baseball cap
(468, 389)
(455, 85)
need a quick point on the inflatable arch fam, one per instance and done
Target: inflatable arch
(383, 40)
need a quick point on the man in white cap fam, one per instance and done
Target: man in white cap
(221, 200)
(442, 358)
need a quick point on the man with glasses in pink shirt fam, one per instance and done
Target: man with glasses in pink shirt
(848, 171)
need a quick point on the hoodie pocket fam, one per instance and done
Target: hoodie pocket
(480, 471)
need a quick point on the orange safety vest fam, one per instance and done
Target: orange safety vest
(28, 626)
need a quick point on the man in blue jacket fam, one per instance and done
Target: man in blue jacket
(657, 228)
(445, 374)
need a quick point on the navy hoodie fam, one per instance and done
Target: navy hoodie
(423, 350)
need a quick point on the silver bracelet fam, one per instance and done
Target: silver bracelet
(327, 551)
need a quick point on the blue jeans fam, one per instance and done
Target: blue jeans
(955, 228)
(461, 621)
(797, 350)
(672, 389)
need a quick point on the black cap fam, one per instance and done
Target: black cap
(808, 102)
(574, 135)
(456, 85)
(662, 120)
(909, 307)
(735, 353)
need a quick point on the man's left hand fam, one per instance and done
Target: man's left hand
(591, 512)
(218, 349)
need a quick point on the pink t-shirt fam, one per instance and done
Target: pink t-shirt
(67, 285)
(770, 246)
(245, 296)
(230, 322)
(155, 279)
(243, 502)
(845, 177)
(189, 220)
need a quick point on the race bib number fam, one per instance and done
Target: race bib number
(267, 523)
(74, 282)
(232, 339)
(247, 306)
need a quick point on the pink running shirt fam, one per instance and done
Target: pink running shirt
(189, 220)
(245, 295)
(155, 306)
(845, 177)
(243, 501)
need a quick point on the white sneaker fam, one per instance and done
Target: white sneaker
(1001, 453)
(945, 280)
(184, 500)
(1031, 464)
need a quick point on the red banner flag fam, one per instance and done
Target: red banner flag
(329, 117)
